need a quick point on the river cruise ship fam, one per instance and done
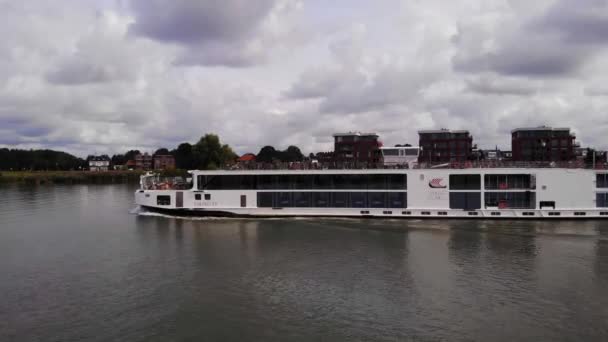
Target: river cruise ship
(464, 192)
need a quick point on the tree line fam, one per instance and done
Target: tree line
(16, 159)
(207, 153)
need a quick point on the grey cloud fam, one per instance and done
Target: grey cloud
(194, 22)
(220, 54)
(495, 85)
(350, 91)
(554, 43)
(577, 22)
(81, 72)
(525, 54)
(213, 33)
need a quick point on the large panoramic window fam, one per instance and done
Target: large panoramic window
(465, 182)
(304, 182)
(377, 199)
(301, 199)
(397, 200)
(465, 200)
(511, 200)
(339, 200)
(320, 199)
(505, 182)
(332, 199)
(265, 199)
(358, 200)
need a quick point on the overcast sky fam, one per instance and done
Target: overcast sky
(104, 76)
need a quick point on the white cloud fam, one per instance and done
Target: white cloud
(99, 78)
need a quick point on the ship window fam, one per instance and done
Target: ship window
(301, 199)
(387, 212)
(303, 181)
(197, 197)
(340, 181)
(397, 200)
(284, 182)
(511, 200)
(495, 213)
(465, 200)
(604, 213)
(207, 197)
(339, 199)
(397, 182)
(322, 182)
(163, 200)
(554, 213)
(442, 213)
(377, 199)
(265, 199)
(364, 212)
(547, 204)
(390, 152)
(473, 213)
(601, 200)
(358, 200)
(602, 180)
(406, 213)
(283, 199)
(527, 213)
(580, 213)
(358, 181)
(426, 213)
(376, 182)
(320, 199)
(505, 182)
(265, 182)
(465, 182)
(227, 182)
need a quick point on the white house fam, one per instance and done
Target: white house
(99, 164)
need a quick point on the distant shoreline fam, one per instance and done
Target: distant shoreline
(69, 177)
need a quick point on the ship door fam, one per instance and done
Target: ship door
(243, 201)
(179, 199)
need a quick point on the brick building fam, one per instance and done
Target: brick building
(357, 148)
(442, 146)
(163, 162)
(143, 162)
(543, 144)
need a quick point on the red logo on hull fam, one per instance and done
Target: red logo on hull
(437, 183)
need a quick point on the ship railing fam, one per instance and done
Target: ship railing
(156, 182)
(487, 164)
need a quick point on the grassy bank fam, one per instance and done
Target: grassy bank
(69, 177)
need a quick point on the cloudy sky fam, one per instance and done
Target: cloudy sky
(103, 76)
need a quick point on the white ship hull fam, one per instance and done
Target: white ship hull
(423, 193)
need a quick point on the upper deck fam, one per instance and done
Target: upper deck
(490, 164)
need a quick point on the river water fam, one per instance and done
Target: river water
(77, 264)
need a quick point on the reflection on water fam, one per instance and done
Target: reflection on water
(77, 266)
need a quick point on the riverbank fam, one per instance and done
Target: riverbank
(69, 177)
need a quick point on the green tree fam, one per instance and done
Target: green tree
(209, 153)
(184, 158)
(267, 154)
(292, 154)
(161, 151)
